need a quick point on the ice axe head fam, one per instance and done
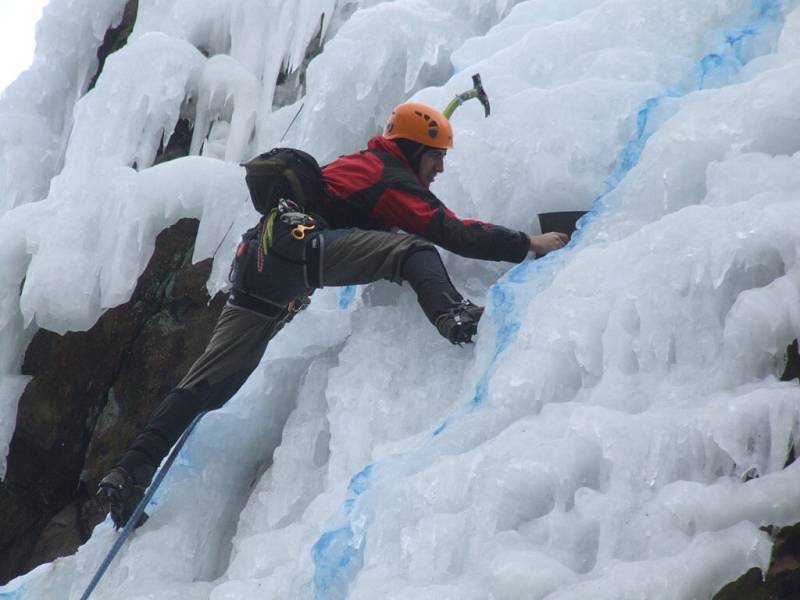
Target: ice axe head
(477, 91)
(480, 93)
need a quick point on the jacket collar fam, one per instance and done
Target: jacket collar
(381, 144)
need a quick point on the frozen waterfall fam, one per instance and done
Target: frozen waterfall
(591, 444)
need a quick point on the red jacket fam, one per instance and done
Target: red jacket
(378, 189)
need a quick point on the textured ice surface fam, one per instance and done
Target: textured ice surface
(36, 109)
(595, 440)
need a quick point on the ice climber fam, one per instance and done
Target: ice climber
(350, 237)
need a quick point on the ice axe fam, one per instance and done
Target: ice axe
(477, 91)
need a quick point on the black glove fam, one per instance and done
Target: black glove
(119, 494)
(460, 323)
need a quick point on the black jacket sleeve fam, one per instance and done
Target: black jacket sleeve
(475, 239)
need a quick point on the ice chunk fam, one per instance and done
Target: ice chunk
(228, 94)
(136, 104)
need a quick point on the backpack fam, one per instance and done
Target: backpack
(285, 173)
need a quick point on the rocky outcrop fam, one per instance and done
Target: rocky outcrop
(91, 392)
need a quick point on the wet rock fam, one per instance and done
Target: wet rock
(90, 393)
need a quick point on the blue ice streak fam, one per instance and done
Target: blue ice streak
(346, 297)
(360, 482)
(338, 555)
(336, 561)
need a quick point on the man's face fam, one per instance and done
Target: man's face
(430, 165)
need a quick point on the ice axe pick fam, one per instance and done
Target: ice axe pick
(477, 91)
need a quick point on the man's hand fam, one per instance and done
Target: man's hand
(547, 242)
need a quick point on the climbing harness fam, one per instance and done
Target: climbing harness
(134, 518)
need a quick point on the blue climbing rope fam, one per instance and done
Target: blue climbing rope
(134, 518)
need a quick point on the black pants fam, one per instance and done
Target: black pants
(241, 335)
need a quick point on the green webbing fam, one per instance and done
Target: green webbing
(266, 235)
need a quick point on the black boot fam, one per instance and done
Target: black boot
(454, 317)
(119, 493)
(460, 322)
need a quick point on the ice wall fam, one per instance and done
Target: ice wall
(601, 437)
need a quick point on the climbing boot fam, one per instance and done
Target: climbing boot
(119, 493)
(460, 322)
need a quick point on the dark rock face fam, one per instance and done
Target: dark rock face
(90, 394)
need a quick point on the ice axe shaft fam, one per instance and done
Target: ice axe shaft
(477, 91)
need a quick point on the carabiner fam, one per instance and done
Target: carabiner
(299, 231)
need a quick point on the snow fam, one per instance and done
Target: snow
(595, 440)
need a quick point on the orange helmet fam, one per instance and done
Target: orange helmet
(420, 123)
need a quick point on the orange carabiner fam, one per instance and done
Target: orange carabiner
(299, 231)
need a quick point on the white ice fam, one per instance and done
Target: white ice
(593, 442)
